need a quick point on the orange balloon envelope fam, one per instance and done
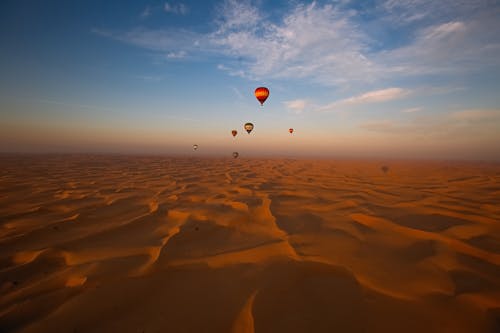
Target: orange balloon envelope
(234, 132)
(290, 130)
(262, 93)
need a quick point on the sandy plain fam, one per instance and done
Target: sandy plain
(158, 244)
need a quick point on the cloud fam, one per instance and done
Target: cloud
(333, 45)
(178, 8)
(465, 126)
(406, 12)
(146, 12)
(238, 93)
(411, 110)
(475, 116)
(234, 14)
(311, 41)
(149, 78)
(234, 71)
(175, 43)
(176, 55)
(297, 105)
(447, 48)
(376, 96)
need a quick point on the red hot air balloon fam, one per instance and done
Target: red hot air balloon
(262, 93)
(234, 132)
(290, 130)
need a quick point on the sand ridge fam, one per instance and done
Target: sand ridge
(96, 243)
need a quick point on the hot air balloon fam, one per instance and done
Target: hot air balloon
(235, 154)
(234, 132)
(195, 147)
(262, 93)
(290, 130)
(248, 127)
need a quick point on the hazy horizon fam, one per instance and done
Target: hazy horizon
(407, 79)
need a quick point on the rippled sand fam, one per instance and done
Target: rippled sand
(157, 244)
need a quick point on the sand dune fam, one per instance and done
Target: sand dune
(158, 244)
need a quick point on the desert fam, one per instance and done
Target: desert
(115, 243)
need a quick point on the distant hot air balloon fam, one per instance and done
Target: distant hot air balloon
(262, 93)
(235, 154)
(195, 147)
(290, 130)
(234, 132)
(248, 127)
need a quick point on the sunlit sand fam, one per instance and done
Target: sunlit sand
(157, 244)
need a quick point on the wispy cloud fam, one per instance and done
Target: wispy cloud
(311, 41)
(237, 15)
(75, 105)
(411, 110)
(177, 55)
(177, 8)
(447, 48)
(376, 96)
(473, 125)
(146, 12)
(234, 71)
(174, 43)
(238, 93)
(149, 78)
(329, 44)
(404, 12)
(297, 105)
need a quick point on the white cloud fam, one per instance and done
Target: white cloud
(328, 44)
(376, 96)
(178, 8)
(446, 48)
(311, 41)
(234, 71)
(404, 12)
(235, 14)
(297, 105)
(176, 55)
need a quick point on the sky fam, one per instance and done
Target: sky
(389, 78)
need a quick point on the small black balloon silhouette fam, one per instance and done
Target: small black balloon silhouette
(385, 169)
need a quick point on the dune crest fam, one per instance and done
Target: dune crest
(244, 323)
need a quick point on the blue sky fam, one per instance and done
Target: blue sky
(408, 78)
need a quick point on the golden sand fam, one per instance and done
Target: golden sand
(157, 244)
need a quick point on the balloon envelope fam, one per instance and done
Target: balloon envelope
(235, 154)
(234, 132)
(262, 93)
(195, 147)
(248, 127)
(290, 130)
